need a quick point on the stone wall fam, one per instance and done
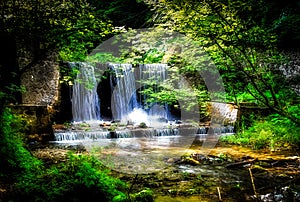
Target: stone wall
(41, 95)
(291, 70)
(42, 82)
(223, 113)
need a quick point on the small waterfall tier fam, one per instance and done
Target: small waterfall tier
(138, 133)
(156, 74)
(126, 81)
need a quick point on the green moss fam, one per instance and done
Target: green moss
(15, 159)
(145, 195)
(77, 179)
(143, 125)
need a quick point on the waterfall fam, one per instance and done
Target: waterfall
(123, 99)
(128, 106)
(123, 85)
(85, 101)
(140, 132)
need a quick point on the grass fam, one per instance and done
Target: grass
(273, 132)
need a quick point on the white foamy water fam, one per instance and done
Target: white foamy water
(138, 116)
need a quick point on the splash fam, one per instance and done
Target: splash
(138, 116)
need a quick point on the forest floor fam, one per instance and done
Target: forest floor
(227, 173)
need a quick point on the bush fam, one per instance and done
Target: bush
(143, 125)
(80, 178)
(15, 159)
(274, 131)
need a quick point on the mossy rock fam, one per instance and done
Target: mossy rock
(143, 125)
(145, 195)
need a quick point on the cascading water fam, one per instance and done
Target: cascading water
(85, 101)
(167, 130)
(128, 106)
(124, 100)
(124, 84)
(123, 87)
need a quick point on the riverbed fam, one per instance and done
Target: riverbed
(225, 173)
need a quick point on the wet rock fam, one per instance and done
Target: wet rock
(172, 178)
(189, 160)
(34, 138)
(59, 127)
(281, 194)
(173, 160)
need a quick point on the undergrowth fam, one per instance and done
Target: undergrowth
(80, 178)
(15, 159)
(272, 132)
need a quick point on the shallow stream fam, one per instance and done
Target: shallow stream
(178, 168)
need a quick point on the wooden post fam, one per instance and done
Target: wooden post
(253, 185)
(219, 194)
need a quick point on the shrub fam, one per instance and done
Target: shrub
(143, 125)
(270, 132)
(15, 159)
(80, 178)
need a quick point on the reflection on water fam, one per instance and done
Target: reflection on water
(140, 155)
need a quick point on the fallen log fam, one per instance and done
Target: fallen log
(241, 163)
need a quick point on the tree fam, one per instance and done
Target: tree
(124, 13)
(34, 28)
(281, 18)
(244, 51)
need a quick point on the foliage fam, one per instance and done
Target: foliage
(68, 74)
(152, 56)
(8, 94)
(273, 132)
(46, 24)
(183, 83)
(243, 50)
(145, 195)
(282, 18)
(33, 29)
(15, 159)
(103, 58)
(79, 178)
(143, 125)
(124, 13)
